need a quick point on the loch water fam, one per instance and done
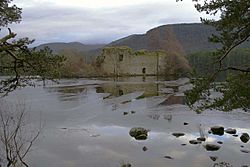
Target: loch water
(86, 123)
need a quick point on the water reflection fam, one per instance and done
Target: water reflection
(174, 100)
(85, 129)
(118, 89)
(68, 93)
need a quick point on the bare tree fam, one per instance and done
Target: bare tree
(16, 136)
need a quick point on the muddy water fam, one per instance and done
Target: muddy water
(87, 123)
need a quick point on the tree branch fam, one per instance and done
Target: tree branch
(230, 49)
(247, 70)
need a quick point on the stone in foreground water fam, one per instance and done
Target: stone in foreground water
(211, 147)
(217, 130)
(139, 133)
(178, 134)
(195, 142)
(244, 137)
(230, 131)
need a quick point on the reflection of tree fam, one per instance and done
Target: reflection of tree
(16, 137)
(174, 100)
(68, 91)
(72, 90)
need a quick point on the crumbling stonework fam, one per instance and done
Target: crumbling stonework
(120, 61)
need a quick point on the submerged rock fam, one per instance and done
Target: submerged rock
(168, 157)
(201, 138)
(217, 130)
(178, 134)
(219, 142)
(245, 151)
(230, 131)
(213, 158)
(244, 137)
(144, 148)
(139, 133)
(132, 112)
(167, 117)
(126, 165)
(125, 113)
(195, 142)
(211, 147)
(95, 135)
(222, 164)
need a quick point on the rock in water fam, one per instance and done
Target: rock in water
(195, 142)
(213, 158)
(244, 137)
(141, 137)
(168, 157)
(219, 142)
(139, 133)
(245, 151)
(201, 138)
(178, 134)
(132, 112)
(126, 165)
(211, 147)
(217, 130)
(230, 131)
(144, 148)
(125, 113)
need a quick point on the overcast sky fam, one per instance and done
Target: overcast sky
(98, 21)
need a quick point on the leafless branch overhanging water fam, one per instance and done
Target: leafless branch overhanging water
(16, 135)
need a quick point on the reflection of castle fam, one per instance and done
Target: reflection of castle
(174, 100)
(149, 89)
(123, 61)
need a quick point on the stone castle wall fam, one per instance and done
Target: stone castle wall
(123, 61)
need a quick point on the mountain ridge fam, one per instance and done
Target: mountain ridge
(183, 39)
(191, 37)
(57, 47)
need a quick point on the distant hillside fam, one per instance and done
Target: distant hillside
(181, 38)
(72, 49)
(77, 46)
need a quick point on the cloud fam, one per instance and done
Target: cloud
(91, 22)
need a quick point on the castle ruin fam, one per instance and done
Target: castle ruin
(123, 61)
